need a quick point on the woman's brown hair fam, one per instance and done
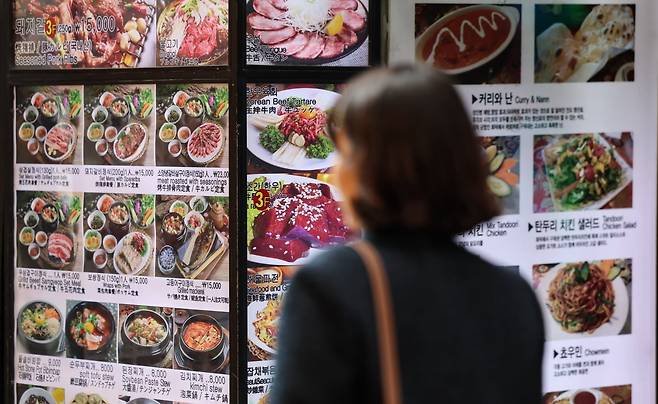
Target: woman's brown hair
(418, 162)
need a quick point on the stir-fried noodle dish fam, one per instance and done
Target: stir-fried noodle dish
(581, 298)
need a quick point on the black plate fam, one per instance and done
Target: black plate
(361, 37)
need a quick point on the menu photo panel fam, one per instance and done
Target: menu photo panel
(106, 34)
(294, 210)
(332, 33)
(122, 239)
(562, 96)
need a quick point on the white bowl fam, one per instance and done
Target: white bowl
(510, 12)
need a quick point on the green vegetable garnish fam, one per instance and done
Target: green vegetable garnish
(582, 273)
(271, 138)
(320, 149)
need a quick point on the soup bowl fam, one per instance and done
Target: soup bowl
(146, 353)
(108, 335)
(209, 353)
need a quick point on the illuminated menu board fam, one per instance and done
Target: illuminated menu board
(121, 243)
(567, 119)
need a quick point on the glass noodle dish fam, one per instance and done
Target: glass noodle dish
(267, 323)
(193, 32)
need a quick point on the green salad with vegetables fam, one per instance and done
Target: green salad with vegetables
(582, 171)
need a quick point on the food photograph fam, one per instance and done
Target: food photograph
(28, 394)
(192, 237)
(192, 33)
(119, 234)
(40, 329)
(265, 289)
(581, 43)
(307, 32)
(49, 125)
(146, 336)
(141, 400)
(585, 171)
(599, 395)
(48, 230)
(86, 397)
(201, 341)
(585, 299)
(120, 125)
(120, 32)
(192, 125)
(474, 43)
(287, 127)
(502, 156)
(303, 217)
(91, 331)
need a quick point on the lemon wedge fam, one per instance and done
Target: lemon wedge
(58, 395)
(335, 25)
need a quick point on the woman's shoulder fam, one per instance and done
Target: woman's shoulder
(338, 264)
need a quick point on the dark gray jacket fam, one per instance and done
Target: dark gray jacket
(468, 332)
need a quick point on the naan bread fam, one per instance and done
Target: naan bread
(567, 57)
(606, 27)
(559, 53)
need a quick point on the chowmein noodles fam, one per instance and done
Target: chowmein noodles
(581, 298)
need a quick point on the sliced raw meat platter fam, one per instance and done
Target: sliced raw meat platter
(348, 37)
(332, 47)
(353, 20)
(280, 4)
(302, 30)
(267, 9)
(344, 4)
(272, 37)
(313, 48)
(294, 44)
(259, 22)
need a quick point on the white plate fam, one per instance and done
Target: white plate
(510, 12)
(140, 149)
(252, 311)
(627, 178)
(215, 153)
(567, 395)
(587, 70)
(37, 391)
(286, 179)
(325, 100)
(71, 147)
(145, 259)
(613, 327)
